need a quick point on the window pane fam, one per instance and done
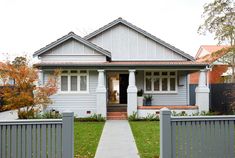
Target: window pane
(164, 84)
(83, 83)
(148, 73)
(65, 71)
(156, 84)
(164, 73)
(64, 83)
(74, 83)
(172, 73)
(172, 84)
(148, 84)
(74, 71)
(83, 71)
(156, 73)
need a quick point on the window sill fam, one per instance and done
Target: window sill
(73, 92)
(161, 92)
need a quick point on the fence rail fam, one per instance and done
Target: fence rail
(196, 136)
(44, 138)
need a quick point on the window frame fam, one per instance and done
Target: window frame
(160, 77)
(69, 74)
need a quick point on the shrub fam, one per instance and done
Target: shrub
(33, 114)
(149, 117)
(92, 118)
(140, 93)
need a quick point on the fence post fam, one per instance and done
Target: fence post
(165, 133)
(67, 135)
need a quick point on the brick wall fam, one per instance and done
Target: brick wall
(214, 75)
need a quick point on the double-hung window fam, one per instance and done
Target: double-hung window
(160, 82)
(74, 81)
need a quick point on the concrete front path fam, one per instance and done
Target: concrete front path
(117, 141)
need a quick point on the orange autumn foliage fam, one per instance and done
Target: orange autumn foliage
(24, 92)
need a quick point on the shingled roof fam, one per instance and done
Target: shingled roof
(72, 35)
(139, 30)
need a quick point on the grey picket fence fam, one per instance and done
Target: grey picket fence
(196, 136)
(37, 138)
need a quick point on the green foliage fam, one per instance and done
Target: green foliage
(20, 61)
(140, 93)
(33, 114)
(148, 97)
(183, 113)
(149, 117)
(92, 118)
(24, 114)
(219, 19)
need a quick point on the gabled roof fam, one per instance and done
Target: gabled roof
(212, 53)
(71, 35)
(139, 30)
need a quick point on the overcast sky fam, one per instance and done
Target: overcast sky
(28, 25)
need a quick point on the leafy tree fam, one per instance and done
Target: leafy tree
(24, 92)
(219, 20)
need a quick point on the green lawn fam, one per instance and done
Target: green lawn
(86, 138)
(147, 137)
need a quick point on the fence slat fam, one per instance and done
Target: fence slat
(49, 141)
(53, 141)
(43, 145)
(13, 142)
(3, 141)
(173, 137)
(231, 135)
(8, 141)
(23, 141)
(188, 138)
(19, 142)
(38, 141)
(28, 140)
(0, 141)
(34, 141)
(58, 141)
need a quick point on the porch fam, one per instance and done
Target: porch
(169, 88)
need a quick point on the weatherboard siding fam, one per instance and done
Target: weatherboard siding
(127, 44)
(179, 98)
(78, 103)
(72, 50)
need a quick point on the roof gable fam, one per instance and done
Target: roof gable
(139, 30)
(70, 36)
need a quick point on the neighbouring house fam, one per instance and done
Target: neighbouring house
(218, 77)
(102, 72)
(219, 71)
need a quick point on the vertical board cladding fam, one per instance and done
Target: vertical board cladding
(127, 44)
(72, 50)
(82, 104)
(179, 98)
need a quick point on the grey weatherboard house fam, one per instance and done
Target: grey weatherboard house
(103, 71)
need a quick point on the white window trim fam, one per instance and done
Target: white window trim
(160, 84)
(78, 74)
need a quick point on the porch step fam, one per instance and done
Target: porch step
(117, 115)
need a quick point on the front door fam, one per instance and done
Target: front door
(123, 84)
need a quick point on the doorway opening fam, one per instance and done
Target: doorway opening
(117, 91)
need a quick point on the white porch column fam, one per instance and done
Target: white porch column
(101, 94)
(132, 94)
(202, 92)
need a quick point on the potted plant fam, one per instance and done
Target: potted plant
(148, 100)
(140, 98)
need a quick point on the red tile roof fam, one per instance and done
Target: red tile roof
(213, 53)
